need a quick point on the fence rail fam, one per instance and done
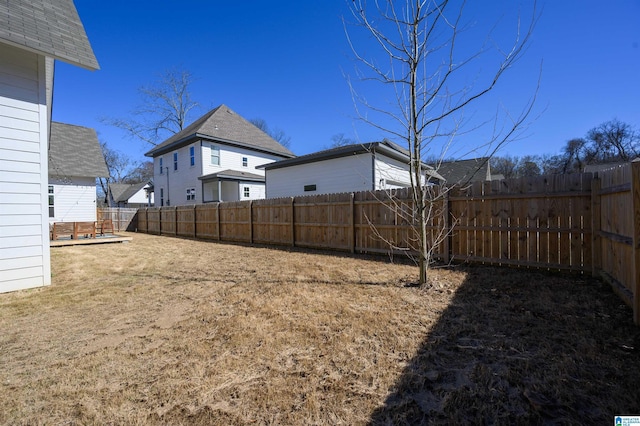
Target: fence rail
(585, 223)
(124, 219)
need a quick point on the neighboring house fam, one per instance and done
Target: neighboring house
(135, 195)
(595, 168)
(75, 161)
(464, 172)
(351, 168)
(213, 159)
(32, 34)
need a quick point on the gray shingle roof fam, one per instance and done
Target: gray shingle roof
(223, 125)
(48, 27)
(462, 172)
(233, 175)
(386, 147)
(75, 151)
(123, 191)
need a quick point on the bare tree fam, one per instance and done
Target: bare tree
(122, 169)
(164, 110)
(339, 139)
(417, 58)
(276, 133)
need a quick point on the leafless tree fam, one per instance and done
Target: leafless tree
(416, 57)
(122, 169)
(339, 139)
(276, 133)
(164, 109)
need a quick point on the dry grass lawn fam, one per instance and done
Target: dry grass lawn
(173, 331)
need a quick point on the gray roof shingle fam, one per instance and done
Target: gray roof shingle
(463, 172)
(75, 151)
(223, 125)
(123, 191)
(48, 27)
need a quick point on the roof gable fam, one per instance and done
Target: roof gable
(225, 126)
(75, 151)
(462, 172)
(121, 192)
(48, 27)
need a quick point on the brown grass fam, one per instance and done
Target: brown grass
(172, 331)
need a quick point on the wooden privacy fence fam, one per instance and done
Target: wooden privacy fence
(124, 219)
(585, 223)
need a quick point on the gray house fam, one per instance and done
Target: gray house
(33, 34)
(75, 161)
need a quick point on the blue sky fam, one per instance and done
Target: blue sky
(285, 62)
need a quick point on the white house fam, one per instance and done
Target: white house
(75, 161)
(214, 159)
(135, 195)
(351, 168)
(32, 34)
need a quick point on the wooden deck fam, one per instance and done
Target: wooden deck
(106, 239)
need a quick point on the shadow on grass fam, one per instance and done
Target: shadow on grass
(522, 348)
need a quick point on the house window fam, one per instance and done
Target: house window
(191, 194)
(51, 202)
(175, 161)
(246, 192)
(309, 188)
(215, 155)
(192, 156)
(161, 171)
(245, 162)
(161, 197)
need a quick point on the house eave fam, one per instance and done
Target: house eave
(208, 138)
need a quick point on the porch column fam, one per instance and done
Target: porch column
(219, 190)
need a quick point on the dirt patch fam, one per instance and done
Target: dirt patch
(173, 331)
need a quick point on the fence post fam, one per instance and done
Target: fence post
(218, 219)
(175, 221)
(195, 222)
(447, 227)
(250, 221)
(160, 221)
(293, 222)
(635, 195)
(352, 224)
(596, 224)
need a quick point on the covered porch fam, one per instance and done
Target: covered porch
(231, 185)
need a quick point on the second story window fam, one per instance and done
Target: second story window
(192, 155)
(215, 155)
(175, 161)
(161, 168)
(245, 161)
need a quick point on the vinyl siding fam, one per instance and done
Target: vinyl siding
(391, 173)
(24, 242)
(231, 159)
(74, 199)
(345, 174)
(187, 176)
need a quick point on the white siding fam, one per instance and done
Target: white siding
(24, 242)
(345, 174)
(140, 197)
(176, 183)
(74, 199)
(256, 191)
(231, 159)
(391, 174)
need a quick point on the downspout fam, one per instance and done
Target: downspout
(168, 191)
